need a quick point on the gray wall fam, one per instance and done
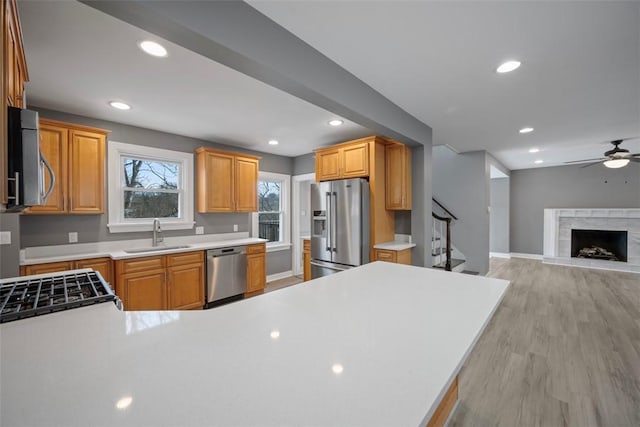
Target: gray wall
(499, 215)
(533, 190)
(461, 183)
(41, 230)
(10, 254)
(304, 164)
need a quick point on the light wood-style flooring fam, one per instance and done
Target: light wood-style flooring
(563, 349)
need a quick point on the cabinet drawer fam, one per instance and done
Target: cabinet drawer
(140, 264)
(185, 258)
(385, 255)
(51, 267)
(256, 249)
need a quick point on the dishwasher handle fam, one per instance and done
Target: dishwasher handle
(226, 251)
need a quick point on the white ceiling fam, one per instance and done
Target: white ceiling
(79, 59)
(579, 84)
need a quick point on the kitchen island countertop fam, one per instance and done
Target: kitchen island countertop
(374, 345)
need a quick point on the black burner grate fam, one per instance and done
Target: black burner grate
(32, 297)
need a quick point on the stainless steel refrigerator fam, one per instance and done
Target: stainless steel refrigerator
(339, 226)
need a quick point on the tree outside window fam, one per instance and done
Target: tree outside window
(270, 211)
(150, 188)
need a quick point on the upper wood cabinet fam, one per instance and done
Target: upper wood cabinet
(15, 62)
(77, 156)
(398, 177)
(227, 182)
(347, 160)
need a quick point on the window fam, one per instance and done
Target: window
(147, 183)
(272, 220)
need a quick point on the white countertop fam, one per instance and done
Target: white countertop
(394, 246)
(400, 333)
(116, 249)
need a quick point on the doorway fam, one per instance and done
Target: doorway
(301, 216)
(499, 214)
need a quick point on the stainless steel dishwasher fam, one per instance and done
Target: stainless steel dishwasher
(226, 273)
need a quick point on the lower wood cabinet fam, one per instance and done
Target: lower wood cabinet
(306, 260)
(169, 282)
(256, 269)
(399, 257)
(103, 265)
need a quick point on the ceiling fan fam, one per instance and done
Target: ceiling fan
(615, 158)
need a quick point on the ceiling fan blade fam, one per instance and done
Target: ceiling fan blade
(585, 160)
(635, 159)
(590, 164)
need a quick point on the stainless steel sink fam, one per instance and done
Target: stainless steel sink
(155, 249)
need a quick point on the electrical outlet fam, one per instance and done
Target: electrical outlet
(73, 237)
(235, 227)
(200, 230)
(5, 237)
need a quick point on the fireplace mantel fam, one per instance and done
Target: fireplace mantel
(558, 224)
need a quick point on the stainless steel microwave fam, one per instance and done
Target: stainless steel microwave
(26, 164)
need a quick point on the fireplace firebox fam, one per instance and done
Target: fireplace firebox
(606, 245)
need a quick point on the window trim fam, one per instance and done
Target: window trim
(116, 223)
(285, 204)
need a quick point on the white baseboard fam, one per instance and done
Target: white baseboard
(528, 256)
(499, 255)
(278, 276)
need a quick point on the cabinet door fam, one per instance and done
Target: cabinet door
(327, 165)
(86, 172)
(215, 182)
(256, 273)
(102, 265)
(143, 291)
(398, 177)
(185, 286)
(53, 145)
(355, 160)
(50, 267)
(10, 55)
(306, 260)
(246, 184)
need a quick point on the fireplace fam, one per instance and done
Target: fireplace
(599, 244)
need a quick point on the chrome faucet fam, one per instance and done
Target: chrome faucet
(157, 233)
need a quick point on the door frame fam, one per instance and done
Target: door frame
(296, 251)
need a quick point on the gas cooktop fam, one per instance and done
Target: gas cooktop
(33, 296)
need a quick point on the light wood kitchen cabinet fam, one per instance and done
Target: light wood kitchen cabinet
(103, 265)
(77, 157)
(346, 160)
(185, 277)
(306, 260)
(398, 257)
(398, 177)
(256, 269)
(168, 282)
(227, 182)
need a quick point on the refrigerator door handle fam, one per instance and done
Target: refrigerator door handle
(334, 227)
(329, 219)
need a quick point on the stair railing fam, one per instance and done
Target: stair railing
(438, 223)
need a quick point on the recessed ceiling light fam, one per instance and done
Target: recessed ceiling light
(616, 163)
(337, 368)
(526, 130)
(534, 150)
(273, 142)
(537, 162)
(153, 48)
(120, 105)
(508, 66)
(124, 402)
(336, 122)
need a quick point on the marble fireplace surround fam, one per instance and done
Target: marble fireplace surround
(558, 224)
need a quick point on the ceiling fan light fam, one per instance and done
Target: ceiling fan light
(616, 163)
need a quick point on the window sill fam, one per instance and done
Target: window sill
(276, 247)
(148, 226)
